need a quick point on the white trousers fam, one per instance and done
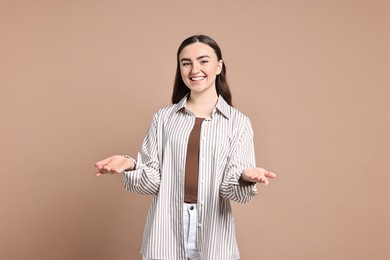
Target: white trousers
(190, 228)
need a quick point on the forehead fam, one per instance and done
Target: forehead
(197, 49)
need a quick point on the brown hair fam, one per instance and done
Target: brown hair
(221, 85)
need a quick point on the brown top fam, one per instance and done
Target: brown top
(192, 164)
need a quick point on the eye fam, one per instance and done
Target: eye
(204, 61)
(185, 64)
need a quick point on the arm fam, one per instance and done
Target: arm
(142, 177)
(145, 178)
(239, 183)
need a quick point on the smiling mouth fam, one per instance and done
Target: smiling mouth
(197, 78)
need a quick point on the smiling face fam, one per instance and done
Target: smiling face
(199, 67)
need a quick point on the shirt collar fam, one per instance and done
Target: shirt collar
(222, 106)
(180, 105)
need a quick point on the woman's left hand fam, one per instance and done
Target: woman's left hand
(257, 175)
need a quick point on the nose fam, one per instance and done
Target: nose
(195, 68)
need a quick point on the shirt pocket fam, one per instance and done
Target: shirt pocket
(222, 150)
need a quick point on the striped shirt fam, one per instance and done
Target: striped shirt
(226, 148)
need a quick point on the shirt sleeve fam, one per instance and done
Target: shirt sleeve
(145, 178)
(243, 157)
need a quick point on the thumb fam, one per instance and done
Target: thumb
(270, 175)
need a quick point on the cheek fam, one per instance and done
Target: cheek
(184, 78)
(183, 72)
(213, 69)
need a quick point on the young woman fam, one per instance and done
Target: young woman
(198, 156)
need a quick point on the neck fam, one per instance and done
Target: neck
(202, 104)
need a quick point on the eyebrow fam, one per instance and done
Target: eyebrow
(199, 58)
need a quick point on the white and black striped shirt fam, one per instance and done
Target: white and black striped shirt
(225, 150)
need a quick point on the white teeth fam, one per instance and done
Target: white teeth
(197, 78)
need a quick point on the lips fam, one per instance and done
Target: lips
(197, 78)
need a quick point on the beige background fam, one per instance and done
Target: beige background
(81, 79)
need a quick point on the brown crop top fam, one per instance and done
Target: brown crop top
(192, 164)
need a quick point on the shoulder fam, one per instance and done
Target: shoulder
(237, 117)
(165, 112)
(240, 123)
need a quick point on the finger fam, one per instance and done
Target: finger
(262, 179)
(105, 169)
(108, 167)
(98, 174)
(261, 170)
(114, 171)
(116, 168)
(270, 175)
(265, 172)
(119, 168)
(103, 162)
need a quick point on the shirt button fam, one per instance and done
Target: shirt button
(199, 225)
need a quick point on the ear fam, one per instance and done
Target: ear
(220, 66)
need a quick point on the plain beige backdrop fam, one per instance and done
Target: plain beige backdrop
(80, 80)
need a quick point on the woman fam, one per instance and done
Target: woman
(198, 155)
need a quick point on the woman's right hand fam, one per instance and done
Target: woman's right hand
(114, 165)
